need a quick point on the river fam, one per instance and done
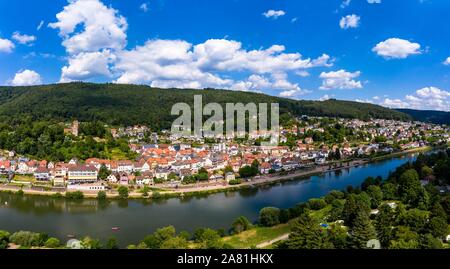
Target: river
(137, 218)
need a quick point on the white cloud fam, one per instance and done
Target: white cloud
(447, 61)
(87, 65)
(349, 21)
(368, 101)
(428, 98)
(95, 39)
(103, 27)
(177, 62)
(23, 39)
(6, 46)
(394, 103)
(40, 25)
(144, 7)
(294, 19)
(340, 80)
(326, 97)
(274, 13)
(302, 73)
(396, 48)
(26, 78)
(374, 1)
(345, 3)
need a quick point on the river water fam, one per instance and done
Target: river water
(137, 218)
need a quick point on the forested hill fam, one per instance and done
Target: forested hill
(438, 117)
(132, 104)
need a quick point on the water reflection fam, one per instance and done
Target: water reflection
(136, 218)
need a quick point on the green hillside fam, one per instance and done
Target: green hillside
(437, 117)
(133, 104)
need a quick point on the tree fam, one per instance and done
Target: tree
(103, 173)
(404, 239)
(209, 239)
(354, 204)
(384, 223)
(101, 195)
(123, 192)
(248, 171)
(4, 239)
(363, 231)
(409, 187)
(316, 203)
(112, 243)
(90, 243)
(438, 227)
(52, 242)
(269, 216)
(376, 195)
(27, 239)
(155, 240)
(177, 242)
(389, 191)
(428, 241)
(241, 224)
(306, 234)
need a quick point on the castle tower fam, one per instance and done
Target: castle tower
(75, 128)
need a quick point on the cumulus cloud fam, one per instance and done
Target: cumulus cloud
(87, 65)
(95, 38)
(92, 33)
(340, 80)
(374, 1)
(396, 48)
(274, 13)
(394, 103)
(26, 78)
(6, 46)
(349, 21)
(447, 61)
(102, 27)
(177, 62)
(428, 98)
(23, 39)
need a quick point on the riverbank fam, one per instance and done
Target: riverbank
(218, 187)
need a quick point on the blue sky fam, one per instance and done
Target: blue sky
(393, 53)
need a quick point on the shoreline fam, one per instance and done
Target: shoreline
(220, 187)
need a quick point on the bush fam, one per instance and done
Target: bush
(156, 195)
(28, 239)
(241, 224)
(57, 196)
(52, 243)
(20, 193)
(269, 216)
(317, 203)
(101, 195)
(123, 192)
(76, 195)
(235, 182)
(4, 239)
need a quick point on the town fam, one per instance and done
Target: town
(172, 162)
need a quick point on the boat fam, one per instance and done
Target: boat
(115, 229)
(70, 236)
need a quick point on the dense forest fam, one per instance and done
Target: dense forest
(437, 117)
(132, 104)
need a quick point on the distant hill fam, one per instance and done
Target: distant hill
(437, 117)
(132, 104)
